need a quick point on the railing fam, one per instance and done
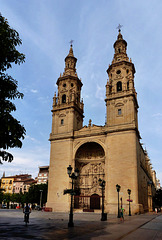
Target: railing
(87, 202)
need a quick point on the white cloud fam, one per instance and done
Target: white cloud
(34, 90)
(27, 137)
(158, 115)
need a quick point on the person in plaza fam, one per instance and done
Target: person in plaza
(122, 214)
(26, 211)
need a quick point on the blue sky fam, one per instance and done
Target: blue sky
(46, 27)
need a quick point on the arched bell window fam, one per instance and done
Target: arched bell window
(64, 98)
(62, 121)
(119, 86)
(128, 85)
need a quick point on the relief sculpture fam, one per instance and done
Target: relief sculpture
(91, 163)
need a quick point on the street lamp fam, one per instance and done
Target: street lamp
(118, 190)
(129, 192)
(73, 176)
(40, 197)
(102, 185)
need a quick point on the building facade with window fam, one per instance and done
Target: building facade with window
(43, 175)
(112, 152)
(17, 184)
(22, 183)
(7, 184)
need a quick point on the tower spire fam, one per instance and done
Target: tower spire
(120, 87)
(120, 47)
(71, 54)
(70, 62)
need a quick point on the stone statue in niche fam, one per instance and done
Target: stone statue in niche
(95, 168)
(95, 182)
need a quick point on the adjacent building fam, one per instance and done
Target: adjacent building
(112, 152)
(7, 184)
(22, 183)
(17, 184)
(43, 175)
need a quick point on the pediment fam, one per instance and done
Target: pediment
(62, 115)
(119, 105)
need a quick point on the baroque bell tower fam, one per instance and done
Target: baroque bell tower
(121, 97)
(68, 106)
(122, 126)
(67, 117)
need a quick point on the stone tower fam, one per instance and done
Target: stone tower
(122, 126)
(67, 106)
(67, 116)
(121, 100)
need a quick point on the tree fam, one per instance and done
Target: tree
(33, 195)
(11, 131)
(7, 198)
(1, 196)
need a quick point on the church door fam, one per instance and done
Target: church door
(95, 201)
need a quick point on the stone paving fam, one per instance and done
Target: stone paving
(54, 226)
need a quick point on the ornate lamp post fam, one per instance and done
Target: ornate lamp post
(73, 176)
(118, 190)
(129, 192)
(102, 185)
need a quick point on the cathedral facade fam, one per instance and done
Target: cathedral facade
(112, 152)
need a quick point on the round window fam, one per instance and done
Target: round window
(64, 85)
(118, 72)
(72, 84)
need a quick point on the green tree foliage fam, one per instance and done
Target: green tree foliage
(33, 195)
(17, 198)
(11, 131)
(7, 198)
(1, 196)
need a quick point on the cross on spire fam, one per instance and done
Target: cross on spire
(119, 27)
(71, 43)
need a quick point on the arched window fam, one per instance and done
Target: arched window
(119, 86)
(119, 111)
(128, 85)
(62, 121)
(64, 98)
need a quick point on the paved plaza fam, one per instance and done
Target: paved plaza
(47, 225)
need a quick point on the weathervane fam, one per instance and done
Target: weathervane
(71, 43)
(119, 27)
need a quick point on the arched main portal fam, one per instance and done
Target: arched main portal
(90, 160)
